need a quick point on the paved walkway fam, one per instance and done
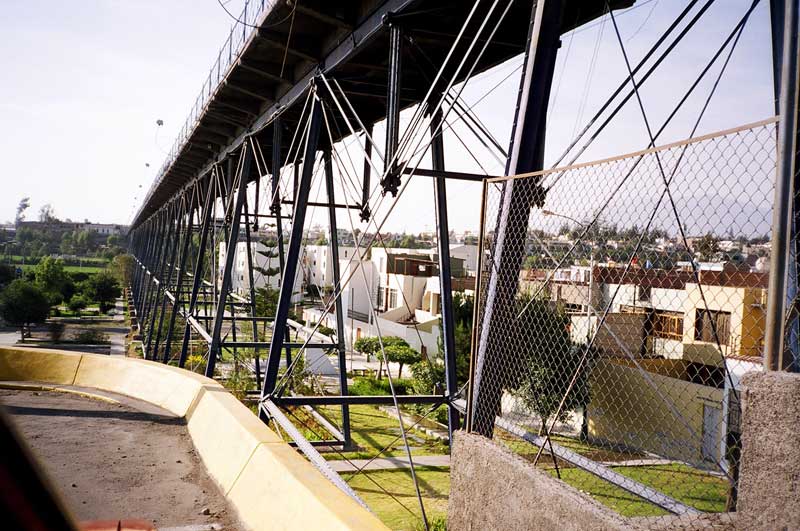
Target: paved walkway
(388, 463)
(112, 460)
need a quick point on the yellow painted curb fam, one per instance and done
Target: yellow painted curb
(226, 433)
(258, 497)
(270, 485)
(48, 366)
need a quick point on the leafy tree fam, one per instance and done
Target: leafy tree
(22, 304)
(549, 361)
(266, 301)
(52, 278)
(23, 205)
(47, 214)
(401, 354)
(122, 265)
(104, 289)
(77, 303)
(367, 345)
(7, 274)
(372, 346)
(706, 247)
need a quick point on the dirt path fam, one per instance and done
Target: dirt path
(115, 461)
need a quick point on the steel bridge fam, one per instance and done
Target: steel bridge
(294, 80)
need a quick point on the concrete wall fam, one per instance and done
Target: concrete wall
(769, 481)
(491, 488)
(269, 483)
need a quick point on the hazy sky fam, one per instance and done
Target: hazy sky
(85, 82)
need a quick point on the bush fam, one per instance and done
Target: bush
(365, 386)
(90, 336)
(77, 303)
(326, 331)
(427, 376)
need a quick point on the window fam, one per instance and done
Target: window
(706, 320)
(644, 293)
(668, 325)
(380, 298)
(392, 296)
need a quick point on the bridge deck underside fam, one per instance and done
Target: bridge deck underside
(347, 41)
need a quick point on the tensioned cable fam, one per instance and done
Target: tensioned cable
(675, 23)
(673, 206)
(635, 165)
(411, 132)
(642, 236)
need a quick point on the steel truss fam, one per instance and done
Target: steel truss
(182, 286)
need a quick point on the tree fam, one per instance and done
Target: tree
(47, 214)
(7, 274)
(372, 346)
(367, 345)
(122, 266)
(104, 289)
(52, 278)
(266, 301)
(77, 303)
(23, 205)
(402, 354)
(23, 304)
(549, 360)
(706, 247)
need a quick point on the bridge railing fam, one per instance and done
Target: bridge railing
(242, 29)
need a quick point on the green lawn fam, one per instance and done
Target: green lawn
(395, 500)
(694, 487)
(90, 269)
(687, 485)
(373, 430)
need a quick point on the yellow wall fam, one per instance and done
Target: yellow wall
(747, 321)
(625, 409)
(270, 484)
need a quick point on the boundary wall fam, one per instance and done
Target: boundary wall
(269, 484)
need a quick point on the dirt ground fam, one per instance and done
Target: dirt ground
(115, 461)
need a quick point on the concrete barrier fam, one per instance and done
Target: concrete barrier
(269, 484)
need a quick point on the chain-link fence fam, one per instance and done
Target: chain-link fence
(620, 304)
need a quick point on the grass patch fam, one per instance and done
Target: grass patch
(696, 488)
(688, 485)
(365, 386)
(434, 484)
(372, 430)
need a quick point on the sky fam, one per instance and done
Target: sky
(85, 83)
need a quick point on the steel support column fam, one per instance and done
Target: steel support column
(293, 253)
(391, 182)
(445, 275)
(277, 164)
(230, 254)
(177, 306)
(782, 281)
(526, 155)
(197, 280)
(337, 295)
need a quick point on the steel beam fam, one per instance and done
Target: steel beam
(445, 275)
(526, 155)
(293, 253)
(337, 294)
(230, 254)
